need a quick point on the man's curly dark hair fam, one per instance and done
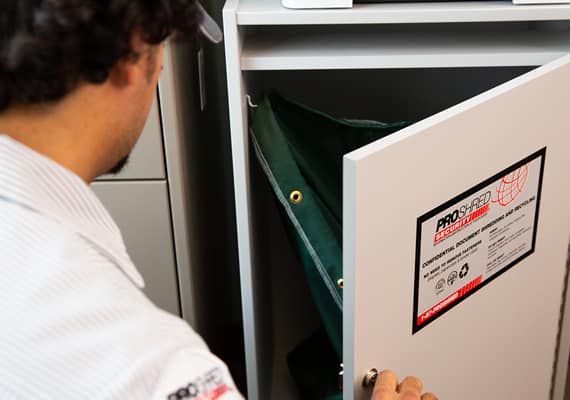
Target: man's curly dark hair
(47, 47)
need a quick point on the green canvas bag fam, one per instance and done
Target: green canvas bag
(300, 151)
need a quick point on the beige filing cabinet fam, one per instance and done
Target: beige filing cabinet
(467, 71)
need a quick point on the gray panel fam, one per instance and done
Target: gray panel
(147, 159)
(142, 213)
(177, 105)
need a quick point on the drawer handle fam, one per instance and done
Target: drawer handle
(296, 196)
(340, 283)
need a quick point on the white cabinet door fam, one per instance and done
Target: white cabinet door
(456, 234)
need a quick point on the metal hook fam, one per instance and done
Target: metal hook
(340, 376)
(249, 102)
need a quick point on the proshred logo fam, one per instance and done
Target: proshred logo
(462, 216)
(209, 386)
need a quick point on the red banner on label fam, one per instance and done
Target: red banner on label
(449, 300)
(215, 394)
(461, 223)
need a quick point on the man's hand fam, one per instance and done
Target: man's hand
(410, 388)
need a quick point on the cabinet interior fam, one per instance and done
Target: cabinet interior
(286, 314)
(384, 95)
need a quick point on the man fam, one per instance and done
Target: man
(77, 78)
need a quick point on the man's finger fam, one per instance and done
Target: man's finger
(428, 396)
(411, 387)
(386, 379)
(385, 386)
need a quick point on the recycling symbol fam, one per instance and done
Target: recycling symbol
(439, 286)
(464, 270)
(451, 278)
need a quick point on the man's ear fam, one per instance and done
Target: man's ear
(122, 74)
(127, 70)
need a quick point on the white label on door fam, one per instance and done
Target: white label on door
(475, 237)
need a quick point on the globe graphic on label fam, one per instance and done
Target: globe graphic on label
(511, 186)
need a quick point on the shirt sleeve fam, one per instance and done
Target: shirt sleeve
(196, 375)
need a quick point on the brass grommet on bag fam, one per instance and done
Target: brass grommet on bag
(340, 283)
(370, 378)
(296, 197)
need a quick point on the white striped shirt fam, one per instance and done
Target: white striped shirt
(74, 323)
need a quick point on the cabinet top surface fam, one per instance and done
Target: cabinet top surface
(271, 12)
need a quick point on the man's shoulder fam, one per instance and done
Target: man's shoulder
(79, 306)
(26, 232)
(40, 253)
(77, 301)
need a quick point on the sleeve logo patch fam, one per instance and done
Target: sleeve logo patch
(209, 386)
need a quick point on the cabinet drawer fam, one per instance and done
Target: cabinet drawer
(147, 158)
(142, 212)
